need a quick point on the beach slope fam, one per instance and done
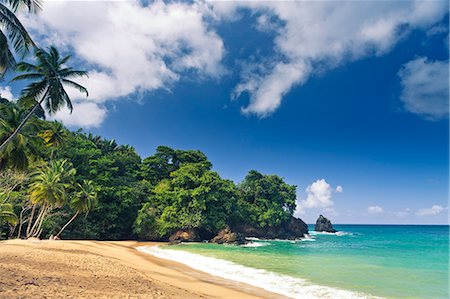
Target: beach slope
(101, 269)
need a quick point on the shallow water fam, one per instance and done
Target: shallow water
(359, 261)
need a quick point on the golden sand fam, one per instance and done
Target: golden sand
(104, 269)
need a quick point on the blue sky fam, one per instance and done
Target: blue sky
(351, 108)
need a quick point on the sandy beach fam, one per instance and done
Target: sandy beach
(101, 269)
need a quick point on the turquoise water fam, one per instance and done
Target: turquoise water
(390, 261)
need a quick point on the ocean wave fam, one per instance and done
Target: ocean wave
(256, 244)
(252, 238)
(307, 238)
(277, 283)
(339, 233)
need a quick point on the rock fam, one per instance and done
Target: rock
(297, 228)
(292, 229)
(226, 236)
(323, 224)
(185, 235)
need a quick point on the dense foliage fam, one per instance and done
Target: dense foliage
(64, 174)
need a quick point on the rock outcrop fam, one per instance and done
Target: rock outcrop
(185, 235)
(323, 224)
(226, 236)
(293, 229)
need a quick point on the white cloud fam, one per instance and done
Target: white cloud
(5, 92)
(85, 114)
(375, 210)
(339, 189)
(425, 87)
(319, 195)
(128, 47)
(321, 35)
(434, 210)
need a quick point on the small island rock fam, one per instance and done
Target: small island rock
(323, 224)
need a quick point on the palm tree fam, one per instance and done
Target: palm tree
(48, 189)
(84, 201)
(54, 136)
(15, 153)
(12, 32)
(7, 213)
(50, 75)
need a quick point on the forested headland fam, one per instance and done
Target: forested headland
(52, 174)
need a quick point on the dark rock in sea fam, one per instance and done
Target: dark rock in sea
(185, 235)
(226, 236)
(323, 224)
(292, 229)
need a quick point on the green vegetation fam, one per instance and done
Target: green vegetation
(48, 78)
(122, 196)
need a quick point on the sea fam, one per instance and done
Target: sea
(359, 261)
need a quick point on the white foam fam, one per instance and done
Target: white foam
(308, 240)
(339, 233)
(276, 283)
(344, 234)
(256, 244)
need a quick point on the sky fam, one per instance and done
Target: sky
(347, 100)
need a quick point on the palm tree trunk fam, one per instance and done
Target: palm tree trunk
(37, 221)
(21, 221)
(38, 229)
(64, 227)
(17, 130)
(30, 220)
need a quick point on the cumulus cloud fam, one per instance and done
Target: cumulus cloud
(5, 92)
(425, 87)
(434, 210)
(375, 210)
(339, 189)
(319, 195)
(86, 115)
(321, 35)
(129, 48)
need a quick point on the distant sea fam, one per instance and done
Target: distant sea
(360, 261)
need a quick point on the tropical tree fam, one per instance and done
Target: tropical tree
(48, 189)
(14, 154)
(13, 36)
(49, 75)
(54, 136)
(84, 201)
(265, 200)
(7, 213)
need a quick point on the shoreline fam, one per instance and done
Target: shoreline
(284, 286)
(82, 269)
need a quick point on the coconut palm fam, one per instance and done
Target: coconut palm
(48, 189)
(14, 155)
(12, 32)
(54, 136)
(7, 213)
(84, 201)
(50, 75)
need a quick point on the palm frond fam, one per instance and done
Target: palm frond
(17, 34)
(7, 60)
(75, 85)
